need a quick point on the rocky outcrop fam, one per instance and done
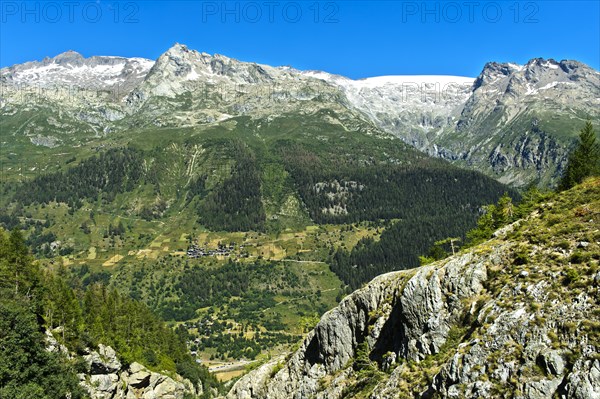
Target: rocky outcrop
(407, 313)
(103, 361)
(107, 378)
(509, 318)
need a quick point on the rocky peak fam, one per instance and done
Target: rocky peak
(181, 70)
(493, 71)
(570, 65)
(69, 57)
(179, 48)
(534, 71)
(539, 69)
(70, 69)
(180, 53)
(542, 63)
(178, 61)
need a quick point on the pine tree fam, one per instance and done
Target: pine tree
(584, 161)
(503, 212)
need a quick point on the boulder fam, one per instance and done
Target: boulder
(139, 376)
(103, 361)
(553, 362)
(104, 384)
(584, 381)
(169, 389)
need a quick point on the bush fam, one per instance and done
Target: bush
(572, 275)
(579, 257)
(521, 257)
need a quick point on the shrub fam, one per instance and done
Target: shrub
(571, 276)
(579, 257)
(521, 256)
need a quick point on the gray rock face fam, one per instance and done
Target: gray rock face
(139, 377)
(108, 380)
(413, 312)
(104, 385)
(584, 381)
(104, 361)
(553, 362)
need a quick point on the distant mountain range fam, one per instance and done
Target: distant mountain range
(513, 122)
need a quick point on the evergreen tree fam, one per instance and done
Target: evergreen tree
(27, 369)
(503, 211)
(584, 161)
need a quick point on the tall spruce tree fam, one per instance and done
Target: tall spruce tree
(584, 161)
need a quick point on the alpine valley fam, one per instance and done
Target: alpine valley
(201, 211)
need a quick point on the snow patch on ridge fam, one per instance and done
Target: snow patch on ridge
(95, 72)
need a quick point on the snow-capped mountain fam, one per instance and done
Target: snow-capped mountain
(563, 86)
(407, 106)
(215, 88)
(521, 119)
(514, 122)
(71, 68)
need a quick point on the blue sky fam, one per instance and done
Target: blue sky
(352, 38)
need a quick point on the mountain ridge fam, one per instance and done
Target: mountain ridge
(531, 110)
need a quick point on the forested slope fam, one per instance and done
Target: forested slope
(32, 301)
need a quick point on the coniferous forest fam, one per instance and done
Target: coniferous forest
(32, 300)
(107, 174)
(422, 199)
(236, 204)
